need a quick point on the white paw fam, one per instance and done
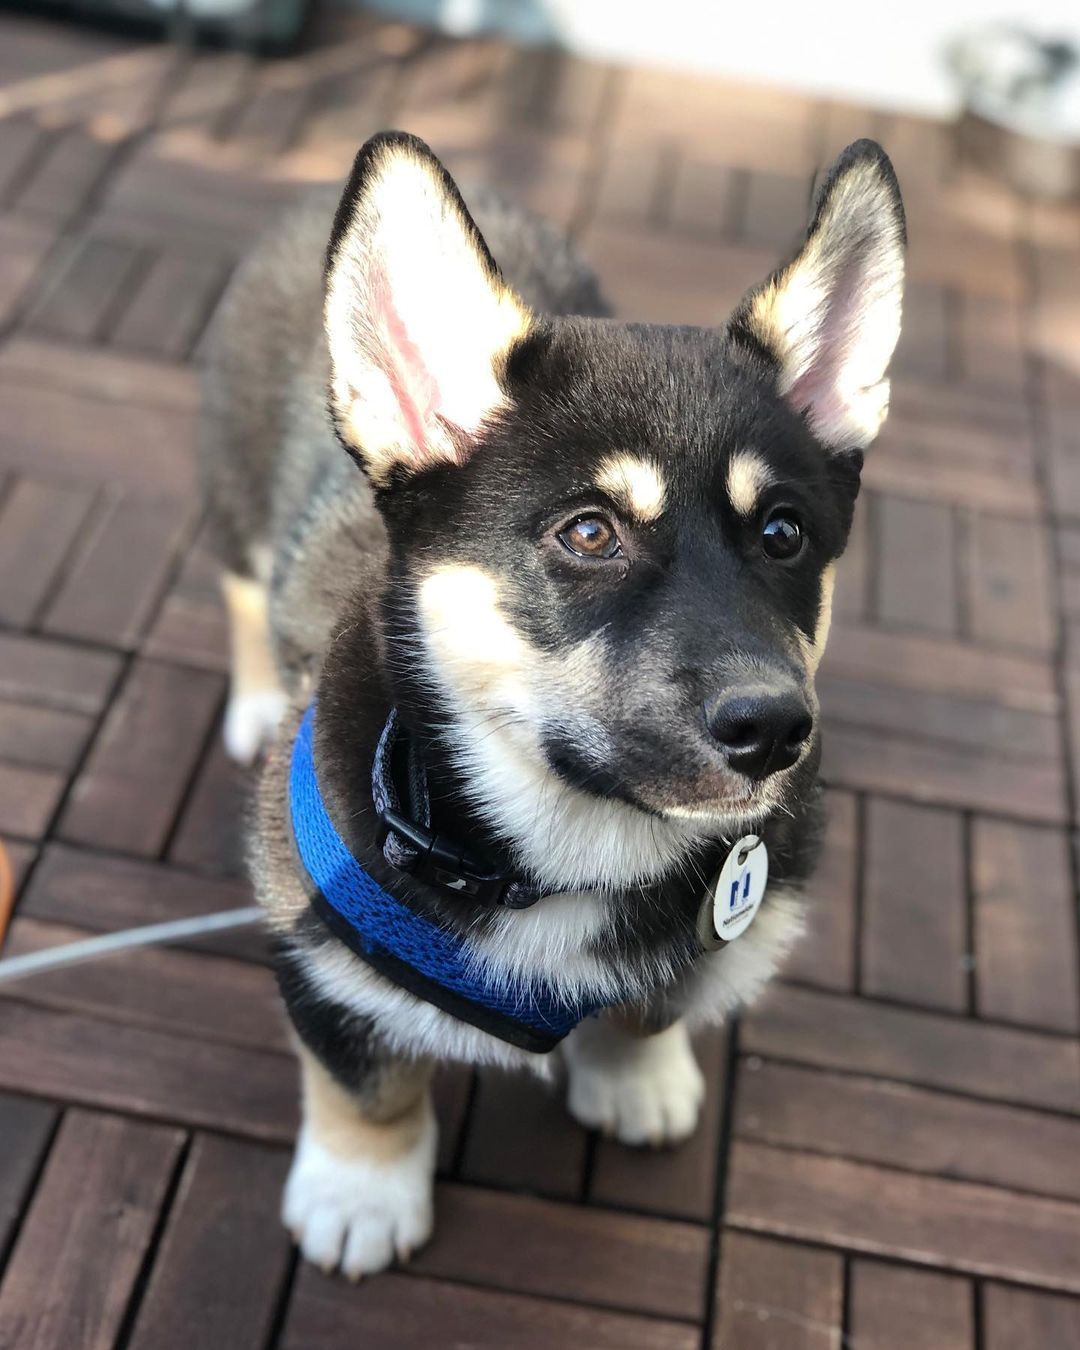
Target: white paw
(642, 1090)
(250, 721)
(358, 1215)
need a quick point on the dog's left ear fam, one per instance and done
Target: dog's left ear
(829, 320)
(418, 319)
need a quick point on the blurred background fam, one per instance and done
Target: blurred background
(890, 1154)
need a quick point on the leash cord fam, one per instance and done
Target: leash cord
(92, 949)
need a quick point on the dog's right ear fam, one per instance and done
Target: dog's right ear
(418, 319)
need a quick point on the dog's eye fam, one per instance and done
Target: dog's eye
(590, 537)
(782, 537)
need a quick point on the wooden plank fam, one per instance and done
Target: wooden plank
(825, 954)
(1025, 926)
(1020, 1317)
(450, 1088)
(92, 1218)
(914, 934)
(191, 627)
(923, 349)
(536, 1246)
(402, 1312)
(171, 307)
(137, 772)
(84, 288)
(23, 247)
(26, 1128)
(859, 1036)
(224, 1253)
(776, 1296)
(212, 833)
(945, 775)
(119, 378)
(679, 1182)
(1009, 586)
(777, 209)
(706, 197)
(28, 799)
(38, 525)
(44, 737)
(991, 346)
(65, 175)
(941, 665)
(21, 855)
(119, 573)
(913, 1128)
(54, 674)
(941, 717)
(893, 1308)
(103, 894)
(956, 1225)
(851, 594)
(145, 1072)
(89, 439)
(522, 1137)
(186, 993)
(916, 564)
(19, 144)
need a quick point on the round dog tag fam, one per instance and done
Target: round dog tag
(734, 897)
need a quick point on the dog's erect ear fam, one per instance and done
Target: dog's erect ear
(418, 319)
(830, 319)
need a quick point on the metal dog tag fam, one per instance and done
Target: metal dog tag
(734, 898)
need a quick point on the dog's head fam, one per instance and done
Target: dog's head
(612, 546)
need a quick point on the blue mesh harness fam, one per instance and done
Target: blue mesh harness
(429, 961)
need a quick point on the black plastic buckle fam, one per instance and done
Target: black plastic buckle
(441, 862)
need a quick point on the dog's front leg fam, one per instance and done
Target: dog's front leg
(359, 1191)
(642, 1086)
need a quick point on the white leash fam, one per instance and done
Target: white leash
(90, 949)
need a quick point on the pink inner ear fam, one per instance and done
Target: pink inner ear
(414, 387)
(818, 390)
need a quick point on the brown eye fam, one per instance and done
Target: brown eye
(590, 537)
(782, 537)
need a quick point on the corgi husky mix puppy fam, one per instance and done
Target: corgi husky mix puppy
(531, 602)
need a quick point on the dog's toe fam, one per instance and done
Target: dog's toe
(251, 719)
(356, 1215)
(649, 1094)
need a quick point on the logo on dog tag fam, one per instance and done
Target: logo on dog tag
(735, 896)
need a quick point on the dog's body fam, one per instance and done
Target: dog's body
(551, 568)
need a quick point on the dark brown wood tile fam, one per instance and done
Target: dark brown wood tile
(914, 1128)
(138, 770)
(26, 1128)
(914, 932)
(399, 1312)
(92, 1218)
(954, 1053)
(118, 574)
(825, 955)
(536, 1246)
(55, 674)
(1015, 1317)
(145, 1072)
(224, 1254)
(212, 830)
(1025, 925)
(103, 893)
(521, 1136)
(46, 738)
(893, 1308)
(773, 1294)
(84, 288)
(951, 1224)
(39, 523)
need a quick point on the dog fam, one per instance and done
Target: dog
(529, 604)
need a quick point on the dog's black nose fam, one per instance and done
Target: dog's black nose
(760, 731)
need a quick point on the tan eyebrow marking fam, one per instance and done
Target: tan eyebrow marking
(747, 478)
(635, 484)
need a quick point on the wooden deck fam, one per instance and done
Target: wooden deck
(890, 1155)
